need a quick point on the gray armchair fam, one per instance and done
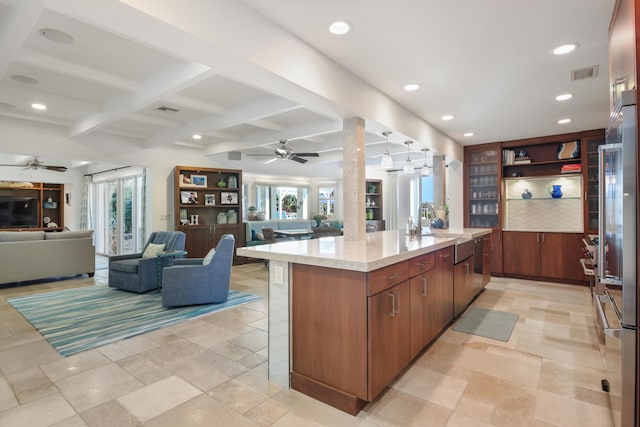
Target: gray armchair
(199, 280)
(136, 274)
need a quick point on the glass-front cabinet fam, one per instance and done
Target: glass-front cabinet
(591, 180)
(482, 198)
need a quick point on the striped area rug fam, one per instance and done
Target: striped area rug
(79, 319)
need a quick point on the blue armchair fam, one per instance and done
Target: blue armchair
(199, 280)
(134, 273)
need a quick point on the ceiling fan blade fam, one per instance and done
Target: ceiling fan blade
(271, 161)
(55, 168)
(13, 165)
(260, 155)
(299, 159)
(306, 154)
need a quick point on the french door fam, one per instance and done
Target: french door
(119, 215)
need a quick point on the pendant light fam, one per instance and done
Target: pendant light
(425, 170)
(386, 162)
(408, 166)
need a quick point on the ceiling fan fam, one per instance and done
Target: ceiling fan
(36, 164)
(285, 153)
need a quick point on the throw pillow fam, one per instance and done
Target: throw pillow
(207, 259)
(260, 236)
(152, 250)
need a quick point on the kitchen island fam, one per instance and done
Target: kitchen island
(345, 317)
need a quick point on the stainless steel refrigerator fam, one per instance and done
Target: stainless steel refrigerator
(617, 261)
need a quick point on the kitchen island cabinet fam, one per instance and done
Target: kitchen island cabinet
(345, 317)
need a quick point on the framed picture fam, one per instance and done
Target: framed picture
(199, 180)
(210, 199)
(50, 205)
(189, 197)
(228, 198)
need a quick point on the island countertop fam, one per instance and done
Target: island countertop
(377, 250)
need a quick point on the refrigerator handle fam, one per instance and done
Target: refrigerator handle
(612, 332)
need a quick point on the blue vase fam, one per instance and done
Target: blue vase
(555, 191)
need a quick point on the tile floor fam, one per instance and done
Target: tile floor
(212, 370)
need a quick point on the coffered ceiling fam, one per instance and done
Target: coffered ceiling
(140, 74)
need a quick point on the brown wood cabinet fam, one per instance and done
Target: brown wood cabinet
(389, 336)
(487, 259)
(551, 256)
(215, 197)
(45, 200)
(353, 332)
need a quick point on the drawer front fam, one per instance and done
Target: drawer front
(421, 263)
(386, 277)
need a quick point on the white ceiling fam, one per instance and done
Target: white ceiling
(246, 74)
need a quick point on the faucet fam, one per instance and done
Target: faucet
(430, 210)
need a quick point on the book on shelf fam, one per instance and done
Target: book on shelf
(521, 160)
(573, 168)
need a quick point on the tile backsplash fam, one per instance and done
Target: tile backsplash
(542, 212)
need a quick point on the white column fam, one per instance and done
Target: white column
(353, 176)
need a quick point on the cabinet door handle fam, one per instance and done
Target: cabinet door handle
(585, 196)
(445, 255)
(393, 304)
(425, 286)
(542, 237)
(499, 236)
(537, 237)
(397, 302)
(393, 276)
(466, 264)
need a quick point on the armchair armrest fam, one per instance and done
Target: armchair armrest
(127, 256)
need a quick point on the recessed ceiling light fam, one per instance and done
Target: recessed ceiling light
(468, 134)
(23, 79)
(411, 87)
(38, 106)
(55, 35)
(564, 121)
(447, 117)
(339, 27)
(196, 136)
(565, 48)
(564, 97)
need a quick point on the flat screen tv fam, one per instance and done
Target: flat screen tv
(18, 212)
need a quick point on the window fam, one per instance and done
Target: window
(282, 202)
(327, 201)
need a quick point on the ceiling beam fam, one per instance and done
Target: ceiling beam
(171, 80)
(76, 71)
(17, 30)
(300, 131)
(256, 110)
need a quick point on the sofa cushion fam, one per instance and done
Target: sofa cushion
(79, 234)
(152, 250)
(21, 236)
(125, 265)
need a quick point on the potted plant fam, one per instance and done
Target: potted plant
(251, 213)
(319, 218)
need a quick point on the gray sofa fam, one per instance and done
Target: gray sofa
(33, 255)
(254, 228)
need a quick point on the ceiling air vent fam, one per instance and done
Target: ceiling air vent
(584, 73)
(165, 108)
